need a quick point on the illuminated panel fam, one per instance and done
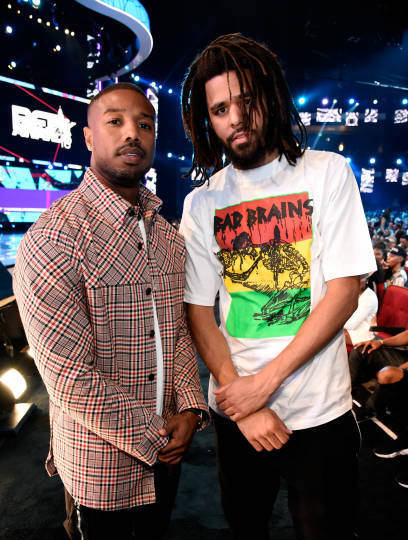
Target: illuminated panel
(391, 175)
(404, 179)
(371, 116)
(367, 180)
(352, 118)
(400, 116)
(306, 118)
(328, 115)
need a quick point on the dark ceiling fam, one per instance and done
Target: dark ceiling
(346, 41)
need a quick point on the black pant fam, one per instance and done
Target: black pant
(141, 522)
(320, 467)
(364, 366)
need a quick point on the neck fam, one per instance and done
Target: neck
(129, 193)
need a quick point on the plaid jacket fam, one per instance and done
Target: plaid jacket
(84, 283)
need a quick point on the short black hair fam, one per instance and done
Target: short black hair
(113, 88)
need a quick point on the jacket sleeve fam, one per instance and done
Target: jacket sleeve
(186, 380)
(52, 303)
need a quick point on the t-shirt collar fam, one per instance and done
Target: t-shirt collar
(259, 173)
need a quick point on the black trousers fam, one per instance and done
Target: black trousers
(320, 466)
(364, 366)
(141, 522)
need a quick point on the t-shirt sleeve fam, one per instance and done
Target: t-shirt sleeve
(346, 244)
(203, 279)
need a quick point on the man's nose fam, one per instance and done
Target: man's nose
(235, 115)
(131, 131)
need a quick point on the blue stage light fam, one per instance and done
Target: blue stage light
(170, 91)
(302, 100)
(348, 159)
(372, 160)
(398, 161)
(169, 154)
(404, 101)
(9, 29)
(351, 101)
(325, 101)
(375, 101)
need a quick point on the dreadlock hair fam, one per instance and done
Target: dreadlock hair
(260, 75)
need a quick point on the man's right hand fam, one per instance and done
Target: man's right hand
(264, 430)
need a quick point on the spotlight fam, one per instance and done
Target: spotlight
(15, 382)
(34, 44)
(66, 31)
(398, 161)
(169, 154)
(302, 100)
(48, 23)
(375, 101)
(348, 159)
(351, 101)
(58, 47)
(372, 160)
(72, 34)
(325, 101)
(13, 64)
(182, 158)
(30, 16)
(39, 20)
(9, 29)
(334, 101)
(137, 78)
(404, 101)
(170, 91)
(36, 2)
(341, 147)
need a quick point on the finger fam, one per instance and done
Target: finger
(221, 389)
(173, 454)
(174, 444)
(267, 444)
(255, 444)
(163, 432)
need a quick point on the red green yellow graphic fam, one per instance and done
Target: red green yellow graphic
(265, 249)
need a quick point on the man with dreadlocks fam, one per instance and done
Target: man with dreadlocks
(269, 232)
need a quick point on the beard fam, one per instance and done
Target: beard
(247, 155)
(125, 177)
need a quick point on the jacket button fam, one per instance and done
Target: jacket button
(148, 290)
(140, 245)
(151, 377)
(151, 334)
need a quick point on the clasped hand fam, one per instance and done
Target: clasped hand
(180, 430)
(241, 397)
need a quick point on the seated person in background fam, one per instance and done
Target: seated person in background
(368, 358)
(378, 275)
(394, 267)
(403, 241)
(357, 328)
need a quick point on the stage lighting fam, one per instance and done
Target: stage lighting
(58, 47)
(404, 101)
(9, 29)
(169, 154)
(137, 78)
(341, 147)
(348, 159)
(375, 101)
(182, 158)
(334, 101)
(13, 64)
(36, 3)
(325, 101)
(170, 91)
(66, 31)
(351, 101)
(398, 161)
(15, 382)
(72, 34)
(48, 23)
(302, 100)
(39, 20)
(372, 160)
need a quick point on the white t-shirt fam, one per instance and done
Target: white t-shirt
(358, 326)
(268, 239)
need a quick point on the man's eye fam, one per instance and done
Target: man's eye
(220, 111)
(247, 101)
(114, 121)
(146, 126)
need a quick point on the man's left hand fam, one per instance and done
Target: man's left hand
(180, 430)
(241, 397)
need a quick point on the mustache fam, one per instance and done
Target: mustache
(234, 134)
(127, 148)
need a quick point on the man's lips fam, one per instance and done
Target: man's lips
(132, 152)
(239, 137)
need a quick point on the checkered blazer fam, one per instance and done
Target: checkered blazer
(84, 283)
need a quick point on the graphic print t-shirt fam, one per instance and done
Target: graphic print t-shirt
(268, 239)
(265, 250)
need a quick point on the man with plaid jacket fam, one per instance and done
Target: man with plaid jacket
(99, 283)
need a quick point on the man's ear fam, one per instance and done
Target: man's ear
(88, 137)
